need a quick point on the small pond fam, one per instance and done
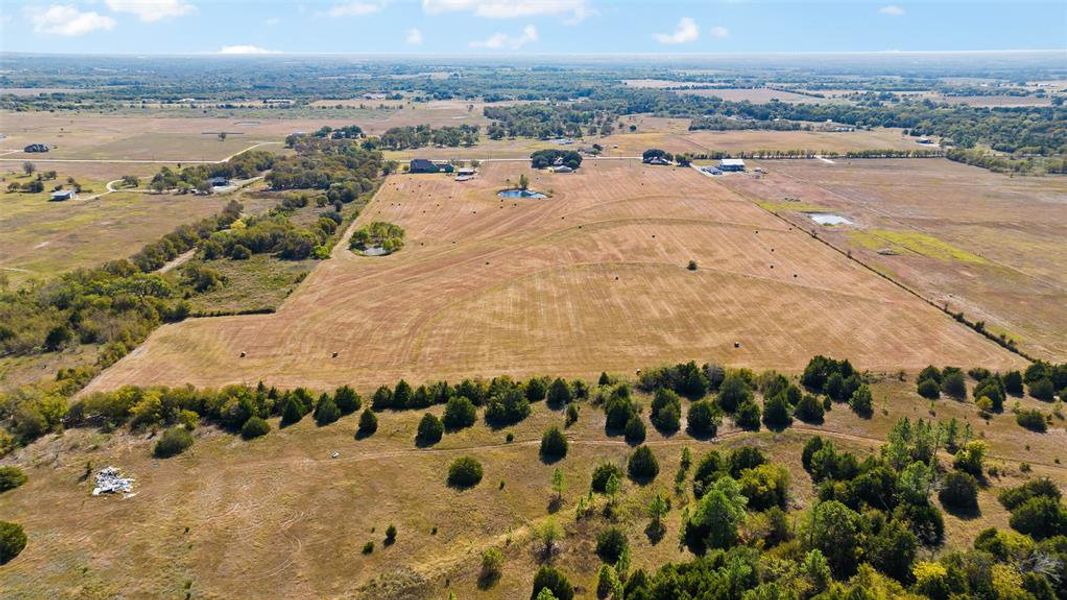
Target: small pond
(829, 219)
(517, 193)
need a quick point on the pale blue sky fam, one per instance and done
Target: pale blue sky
(499, 27)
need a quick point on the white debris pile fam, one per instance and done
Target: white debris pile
(110, 481)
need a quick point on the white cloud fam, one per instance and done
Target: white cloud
(151, 11)
(244, 49)
(502, 40)
(686, 31)
(413, 37)
(572, 10)
(891, 10)
(720, 32)
(67, 20)
(357, 8)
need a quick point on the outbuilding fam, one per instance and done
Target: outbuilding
(422, 165)
(731, 164)
(61, 195)
(36, 148)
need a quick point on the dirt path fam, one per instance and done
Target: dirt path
(177, 261)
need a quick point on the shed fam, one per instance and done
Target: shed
(731, 164)
(36, 148)
(60, 195)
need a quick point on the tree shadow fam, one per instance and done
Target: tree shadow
(554, 505)
(964, 513)
(655, 532)
(550, 459)
(364, 433)
(702, 436)
(487, 579)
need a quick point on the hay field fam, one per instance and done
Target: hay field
(594, 278)
(278, 517)
(986, 244)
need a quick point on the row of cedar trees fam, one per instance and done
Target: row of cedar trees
(866, 531)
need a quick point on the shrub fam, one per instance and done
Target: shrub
(507, 408)
(954, 385)
(1032, 419)
(861, 402)
(464, 472)
(930, 372)
(536, 389)
(607, 582)
(554, 581)
(929, 389)
(174, 441)
(959, 491)
(553, 445)
(559, 393)
(642, 466)
(326, 411)
(733, 392)
(666, 410)
(12, 541)
(390, 535)
(492, 563)
(430, 430)
(460, 412)
(747, 416)
(1011, 498)
(1013, 383)
(292, 413)
(776, 414)
(765, 486)
(368, 548)
(610, 544)
(1040, 517)
(601, 474)
(239, 252)
(10, 478)
(254, 427)
(635, 430)
(702, 420)
(572, 414)
(1042, 389)
(809, 410)
(368, 423)
(347, 400)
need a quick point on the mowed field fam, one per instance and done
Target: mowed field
(39, 238)
(673, 135)
(278, 517)
(986, 244)
(592, 279)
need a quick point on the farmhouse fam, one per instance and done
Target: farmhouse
(562, 169)
(422, 165)
(731, 164)
(60, 195)
(36, 148)
(217, 182)
(658, 160)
